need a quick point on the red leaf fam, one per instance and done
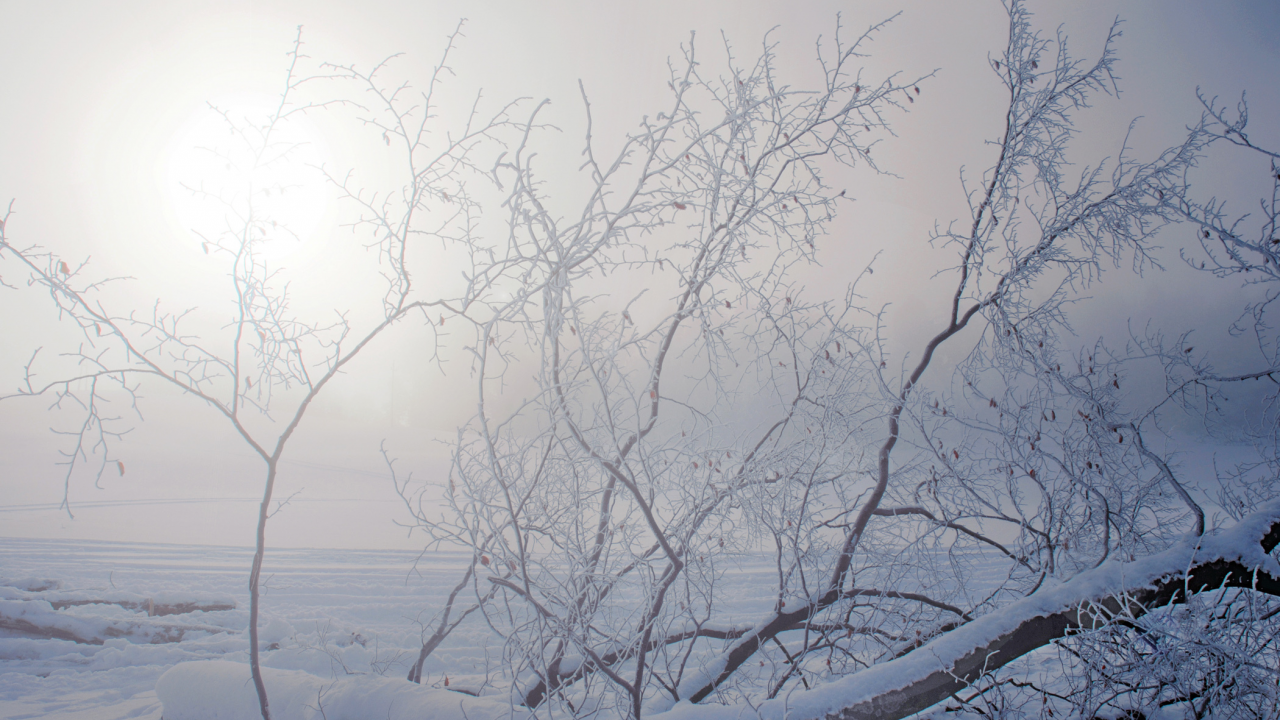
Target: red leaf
(680, 205)
(62, 265)
(120, 467)
(484, 560)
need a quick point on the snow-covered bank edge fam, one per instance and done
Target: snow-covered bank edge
(222, 690)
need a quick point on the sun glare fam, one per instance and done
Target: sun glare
(231, 171)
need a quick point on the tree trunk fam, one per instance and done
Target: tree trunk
(934, 672)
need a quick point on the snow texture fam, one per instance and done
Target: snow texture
(338, 634)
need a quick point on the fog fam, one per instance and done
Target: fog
(98, 98)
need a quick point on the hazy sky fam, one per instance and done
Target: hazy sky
(98, 97)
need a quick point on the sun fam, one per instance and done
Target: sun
(237, 170)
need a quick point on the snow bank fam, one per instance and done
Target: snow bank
(221, 690)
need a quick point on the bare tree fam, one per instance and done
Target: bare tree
(926, 520)
(992, 504)
(262, 373)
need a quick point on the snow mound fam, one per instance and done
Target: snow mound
(222, 690)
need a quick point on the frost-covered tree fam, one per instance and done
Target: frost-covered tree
(687, 408)
(929, 521)
(262, 370)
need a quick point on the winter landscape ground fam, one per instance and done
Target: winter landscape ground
(333, 614)
(339, 632)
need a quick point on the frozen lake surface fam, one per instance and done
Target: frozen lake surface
(332, 613)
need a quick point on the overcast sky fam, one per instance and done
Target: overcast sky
(97, 99)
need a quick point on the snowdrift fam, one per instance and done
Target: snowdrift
(222, 690)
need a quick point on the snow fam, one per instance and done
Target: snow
(328, 612)
(339, 632)
(219, 689)
(1239, 543)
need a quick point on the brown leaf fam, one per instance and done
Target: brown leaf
(680, 205)
(120, 467)
(62, 265)
(484, 560)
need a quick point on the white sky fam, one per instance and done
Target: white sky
(92, 95)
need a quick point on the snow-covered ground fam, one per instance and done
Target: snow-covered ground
(103, 631)
(342, 617)
(330, 612)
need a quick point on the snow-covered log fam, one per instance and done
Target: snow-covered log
(1238, 557)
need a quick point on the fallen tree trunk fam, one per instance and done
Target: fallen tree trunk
(1238, 557)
